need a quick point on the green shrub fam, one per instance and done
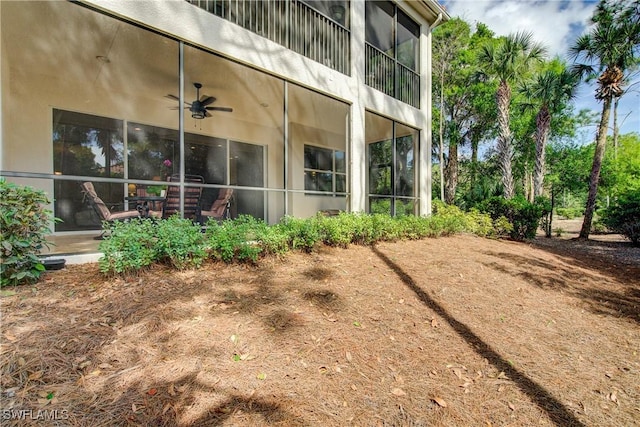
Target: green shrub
(272, 239)
(381, 206)
(523, 216)
(502, 226)
(180, 242)
(336, 230)
(23, 225)
(303, 234)
(623, 216)
(480, 224)
(235, 239)
(129, 246)
(139, 243)
(413, 227)
(359, 225)
(570, 213)
(599, 227)
(384, 228)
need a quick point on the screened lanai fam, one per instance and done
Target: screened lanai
(102, 100)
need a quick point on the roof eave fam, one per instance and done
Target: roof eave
(431, 10)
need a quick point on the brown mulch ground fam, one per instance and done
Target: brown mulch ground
(458, 331)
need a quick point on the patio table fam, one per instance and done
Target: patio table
(143, 202)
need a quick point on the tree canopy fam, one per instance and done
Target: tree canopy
(504, 122)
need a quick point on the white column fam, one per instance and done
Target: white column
(358, 164)
(424, 177)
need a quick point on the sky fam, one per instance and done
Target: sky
(556, 24)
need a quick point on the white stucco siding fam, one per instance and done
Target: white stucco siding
(201, 28)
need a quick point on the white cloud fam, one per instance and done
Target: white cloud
(556, 24)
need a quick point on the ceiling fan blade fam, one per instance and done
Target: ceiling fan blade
(206, 100)
(175, 98)
(207, 114)
(227, 109)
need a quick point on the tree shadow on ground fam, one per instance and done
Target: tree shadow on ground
(262, 300)
(556, 411)
(167, 403)
(318, 273)
(75, 341)
(611, 296)
(596, 255)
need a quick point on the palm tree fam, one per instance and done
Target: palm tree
(608, 51)
(549, 90)
(508, 62)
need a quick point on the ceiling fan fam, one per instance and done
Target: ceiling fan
(200, 107)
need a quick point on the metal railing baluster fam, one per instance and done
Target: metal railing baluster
(290, 23)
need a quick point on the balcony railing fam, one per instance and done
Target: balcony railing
(290, 23)
(384, 73)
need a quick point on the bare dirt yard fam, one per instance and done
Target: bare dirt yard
(457, 331)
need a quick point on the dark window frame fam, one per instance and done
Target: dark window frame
(333, 171)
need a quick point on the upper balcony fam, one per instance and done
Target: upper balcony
(392, 52)
(318, 30)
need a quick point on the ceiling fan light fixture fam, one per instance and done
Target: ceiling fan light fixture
(200, 107)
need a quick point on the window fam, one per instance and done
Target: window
(391, 30)
(392, 51)
(153, 152)
(324, 170)
(90, 146)
(391, 157)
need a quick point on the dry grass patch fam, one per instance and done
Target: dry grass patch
(455, 331)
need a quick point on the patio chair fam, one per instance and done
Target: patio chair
(104, 213)
(191, 197)
(221, 207)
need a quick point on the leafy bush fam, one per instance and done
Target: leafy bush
(23, 225)
(624, 216)
(598, 226)
(272, 239)
(480, 224)
(303, 234)
(139, 243)
(523, 216)
(180, 242)
(570, 213)
(336, 230)
(544, 205)
(235, 239)
(359, 226)
(413, 227)
(381, 206)
(450, 219)
(502, 226)
(384, 228)
(129, 246)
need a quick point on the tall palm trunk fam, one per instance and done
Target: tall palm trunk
(616, 131)
(505, 150)
(474, 161)
(441, 135)
(595, 168)
(451, 174)
(543, 124)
